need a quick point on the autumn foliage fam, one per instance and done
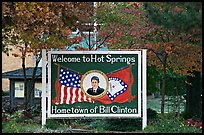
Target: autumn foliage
(33, 26)
(127, 26)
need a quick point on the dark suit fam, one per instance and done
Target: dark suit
(98, 91)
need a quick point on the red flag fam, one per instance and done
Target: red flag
(119, 87)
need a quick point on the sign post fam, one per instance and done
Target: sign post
(44, 95)
(144, 89)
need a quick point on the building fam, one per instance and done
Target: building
(16, 79)
(10, 63)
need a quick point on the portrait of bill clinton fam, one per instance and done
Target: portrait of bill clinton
(95, 89)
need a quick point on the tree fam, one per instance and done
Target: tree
(182, 17)
(129, 26)
(185, 19)
(41, 25)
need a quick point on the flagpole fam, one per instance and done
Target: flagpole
(57, 90)
(130, 99)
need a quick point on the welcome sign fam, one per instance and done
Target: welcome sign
(94, 83)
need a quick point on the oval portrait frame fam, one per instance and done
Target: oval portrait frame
(94, 72)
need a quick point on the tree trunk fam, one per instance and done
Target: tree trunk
(163, 85)
(25, 85)
(193, 97)
(163, 92)
(89, 40)
(32, 83)
(179, 105)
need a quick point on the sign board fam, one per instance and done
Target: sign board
(94, 83)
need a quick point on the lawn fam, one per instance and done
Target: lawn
(155, 104)
(15, 124)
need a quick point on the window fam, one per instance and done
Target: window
(19, 89)
(38, 89)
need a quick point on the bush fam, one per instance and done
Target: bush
(151, 114)
(123, 124)
(171, 126)
(10, 109)
(5, 93)
(98, 125)
(186, 115)
(36, 110)
(55, 123)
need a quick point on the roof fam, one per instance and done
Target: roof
(18, 73)
(84, 43)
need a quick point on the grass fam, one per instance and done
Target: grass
(14, 127)
(155, 104)
(99, 125)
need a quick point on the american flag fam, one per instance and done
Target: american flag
(70, 91)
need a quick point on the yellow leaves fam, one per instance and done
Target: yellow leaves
(159, 67)
(39, 8)
(168, 48)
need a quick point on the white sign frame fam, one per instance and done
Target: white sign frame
(141, 86)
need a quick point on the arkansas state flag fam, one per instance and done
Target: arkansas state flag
(119, 87)
(68, 89)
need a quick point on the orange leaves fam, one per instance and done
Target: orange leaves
(133, 23)
(52, 19)
(181, 57)
(76, 39)
(168, 48)
(136, 4)
(79, 48)
(29, 50)
(119, 33)
(133, 33)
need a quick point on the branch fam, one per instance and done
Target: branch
(157, 54)
(83, 35)
(162, 38)
(36, 64)
(104, 39)
(167, 35)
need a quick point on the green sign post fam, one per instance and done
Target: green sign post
(94, 84)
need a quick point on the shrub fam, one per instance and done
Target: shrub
(171, 126)
(151, 114)
(51, 124)
(98, 125)
(186, 115)
(5, 93)
(10, 109)
(36, 110)
(123, 124)
(194, 123)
